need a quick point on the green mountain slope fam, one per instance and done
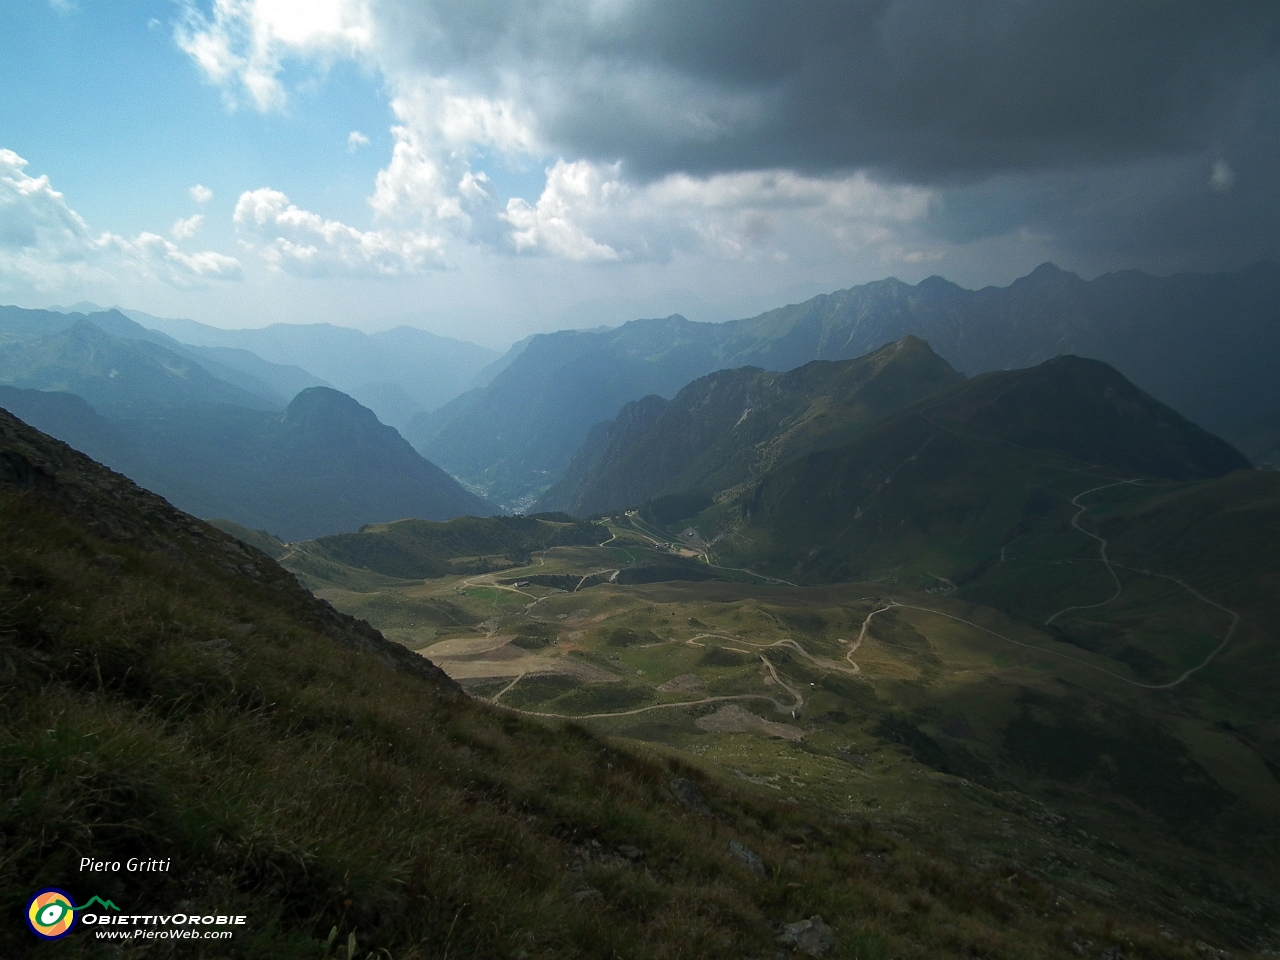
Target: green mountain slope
(271, 383)
(414, 549)
(999, 492)
(731, 426)
(114, 373)
(1206, 345)
(954, 478)
(396, 373)
(326, 465)
(1086, 410)
(994, 738)
(173, 694)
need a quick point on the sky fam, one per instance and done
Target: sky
(491, 169)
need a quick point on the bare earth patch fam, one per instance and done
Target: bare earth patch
(685, 683)
(732, 718)
(493, 658)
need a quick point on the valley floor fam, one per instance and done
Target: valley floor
(921, 714)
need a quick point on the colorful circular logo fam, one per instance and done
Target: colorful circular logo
(51, 914)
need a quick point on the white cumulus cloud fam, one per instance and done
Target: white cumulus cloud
(44, 243)
(450, 119)
(201, 194)
(589, 212)
(242, 44)
(187, 227)
(430, 177)
(304, 243)
(575, 192)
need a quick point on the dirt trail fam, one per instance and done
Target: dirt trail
(595, 573)
(1231, 630)
(520, 676)
(773, 672)
(1102, 543)
(788, 642)
(1085, 663)
(1111, 569)
(862, 635)
(653, 706)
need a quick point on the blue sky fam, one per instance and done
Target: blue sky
(123, 123)
(522, 167)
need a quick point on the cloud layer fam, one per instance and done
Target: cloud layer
(666, 125)
(45, 245)
(303, 243)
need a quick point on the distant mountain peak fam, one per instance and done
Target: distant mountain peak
(1049, 272)
(724, 428)
(325, 403)
(84, 306)
(937, 284)
(912, 342)
(674, 320)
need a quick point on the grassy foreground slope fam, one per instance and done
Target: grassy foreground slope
(169, 692)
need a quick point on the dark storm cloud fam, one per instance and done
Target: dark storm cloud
(1138, 132)
(929, 91)
(1213, 206)
(919, 90)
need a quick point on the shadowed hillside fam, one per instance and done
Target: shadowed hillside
(172, 693)
(414, 549)
(114, 373)
(325, 466)
(735, 425)
(1206, 345)
(952, 480)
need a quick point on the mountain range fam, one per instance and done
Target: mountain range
(538, 426)
(1205, 344)
(1022, 619)
(397, 373)
(174, 695)
(114, 373)
(734, 425)
(324, 465)
(270, 385)
(218, 446)
(1061, 494)
(948, 482)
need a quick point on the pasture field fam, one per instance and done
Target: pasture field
(922, 714)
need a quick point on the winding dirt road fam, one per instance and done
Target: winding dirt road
(1102, 546)
(1111, 565)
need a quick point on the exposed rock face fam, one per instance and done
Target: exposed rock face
(749, 858)
(690, 797)
(810, 937)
